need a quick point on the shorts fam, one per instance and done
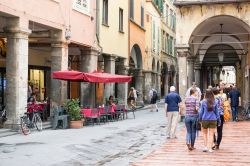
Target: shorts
(209, 124)
(131, 98)
(153, 101)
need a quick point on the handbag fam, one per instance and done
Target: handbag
(198, 124)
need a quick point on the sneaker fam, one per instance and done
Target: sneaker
(210, 151)
(168, 137)
(156, 110)
(205, 149)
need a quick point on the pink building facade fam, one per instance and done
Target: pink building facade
(39, 37)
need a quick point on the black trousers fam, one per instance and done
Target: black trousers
(217, 140)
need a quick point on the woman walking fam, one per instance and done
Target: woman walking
(132, 97)
(209, 116)
(192, 107)
(218, 137)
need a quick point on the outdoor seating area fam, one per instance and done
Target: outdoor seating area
(108, 113)
(91, 116)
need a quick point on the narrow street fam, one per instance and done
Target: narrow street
(116, 143)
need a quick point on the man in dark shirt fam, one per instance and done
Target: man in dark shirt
(172, 101)
(234, 96)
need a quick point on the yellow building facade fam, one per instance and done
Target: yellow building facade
(112, 34)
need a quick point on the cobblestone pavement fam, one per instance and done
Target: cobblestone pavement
(117, 143)
(234, 150)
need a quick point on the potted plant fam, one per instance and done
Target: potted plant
(74, 111)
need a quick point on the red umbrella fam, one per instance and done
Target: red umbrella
(105, 77)
(71, 75)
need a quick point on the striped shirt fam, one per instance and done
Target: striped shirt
(191, 104)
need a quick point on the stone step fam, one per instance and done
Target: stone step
(47, 125)
(8, 132)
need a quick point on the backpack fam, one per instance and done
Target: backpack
(154, 94)
(220, 103)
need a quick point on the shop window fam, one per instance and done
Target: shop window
(37, 83)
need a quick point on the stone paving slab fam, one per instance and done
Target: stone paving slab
(234, 150)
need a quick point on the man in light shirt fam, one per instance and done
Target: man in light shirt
(194, 86)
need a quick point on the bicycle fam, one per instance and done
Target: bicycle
(27, 124)
(246, 111)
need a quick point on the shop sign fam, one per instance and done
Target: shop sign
(82, 6)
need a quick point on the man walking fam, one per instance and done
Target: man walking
(235, 100)
(172, 101)
(153, 99)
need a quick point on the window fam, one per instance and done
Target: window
(158, 41)
(163, 41)
(142, 16)
(171, 45)
(167, 14)
(174, 23)
(132, 9)
(105, 12)
(153, 36)
(120, 20)
(166, 43)
(171, 19)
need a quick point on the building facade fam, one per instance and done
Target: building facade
(113, 39)
(216, 37)
(153, 48)
(161, 64)
(137, 45)
(39, 43)
(169, 68)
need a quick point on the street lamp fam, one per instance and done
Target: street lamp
(221, 54)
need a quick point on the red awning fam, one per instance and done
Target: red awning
(90, 77)
(68, 75)
(106, 77)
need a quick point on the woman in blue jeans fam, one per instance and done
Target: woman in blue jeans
(192, 106)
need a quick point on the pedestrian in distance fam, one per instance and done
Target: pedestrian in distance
(194, 86)
(172, 107)
(209, 117)
(192, 107)
(131, 97)
(235, 102)
(153, 99)
(218, 136)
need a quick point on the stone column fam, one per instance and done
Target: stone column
(139, 85)
(158, 86)
(122, 90)
(59, 61)
(182, 64)
(16, 68)
(190, 71)
(166, 87)
(109, 67)
(88, 63)
(147, 85)
(197, 73)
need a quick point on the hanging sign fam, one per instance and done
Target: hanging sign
(82, 6)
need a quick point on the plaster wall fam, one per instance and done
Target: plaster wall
(189, 17)
(54, 14)
(111, 39)
(152, 46)
(136, 32)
